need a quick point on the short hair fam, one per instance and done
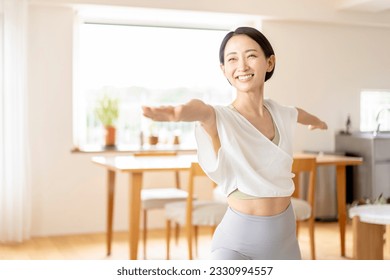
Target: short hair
(255, 35)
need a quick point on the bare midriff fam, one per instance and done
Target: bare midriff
(266, 206)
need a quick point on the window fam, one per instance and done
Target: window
(147, 56)
(375, 110)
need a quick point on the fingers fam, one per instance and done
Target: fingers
(147, 112)
(322, 125)
(163, 113)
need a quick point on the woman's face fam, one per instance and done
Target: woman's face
(245, 63)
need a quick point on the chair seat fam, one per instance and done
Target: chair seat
(159, 197)
(205, 213)
(302, 209)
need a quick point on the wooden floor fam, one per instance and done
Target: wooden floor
(92, 246)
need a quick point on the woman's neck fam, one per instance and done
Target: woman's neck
(249, 103)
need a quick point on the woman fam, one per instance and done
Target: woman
(246, 148)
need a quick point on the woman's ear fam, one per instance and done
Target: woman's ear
(222, 68)
(224, 73)
(271, 63)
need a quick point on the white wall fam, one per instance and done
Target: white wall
(320, 67)
(64, 185)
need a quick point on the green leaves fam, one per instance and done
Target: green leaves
(107, 110)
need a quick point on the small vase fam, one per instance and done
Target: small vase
(153, 140)
(176, 140)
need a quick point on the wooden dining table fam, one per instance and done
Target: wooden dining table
(136, 166)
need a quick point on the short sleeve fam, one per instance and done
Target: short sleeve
(215, 165)
(206, 154)
(293, 113)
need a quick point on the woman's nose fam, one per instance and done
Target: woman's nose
(242, 64)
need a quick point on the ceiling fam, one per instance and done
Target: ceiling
(375, 13)
(372, 6)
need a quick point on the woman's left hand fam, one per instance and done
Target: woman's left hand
(321, 125)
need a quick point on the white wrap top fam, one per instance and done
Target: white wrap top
(248, 160)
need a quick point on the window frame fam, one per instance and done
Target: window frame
(370, 114)
(200, 20)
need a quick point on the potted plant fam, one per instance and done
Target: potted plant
(153, 134)
(107, 111)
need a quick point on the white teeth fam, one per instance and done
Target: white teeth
(246, 77)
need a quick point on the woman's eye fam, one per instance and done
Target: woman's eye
(232, 59)
(251, 55)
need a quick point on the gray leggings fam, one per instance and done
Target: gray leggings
(246, 237)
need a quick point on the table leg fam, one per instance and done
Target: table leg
(341, 201)
(134, 213)
(110, 208)
(387, 238)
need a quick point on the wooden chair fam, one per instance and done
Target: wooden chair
(193, 213)
(157, 197)
(304, 204)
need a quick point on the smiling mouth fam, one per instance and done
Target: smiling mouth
(245, 77)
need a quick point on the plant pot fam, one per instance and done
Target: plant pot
(110, 136)
(153, 140)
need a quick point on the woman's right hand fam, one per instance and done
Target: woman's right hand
(162, 113)
(194, 110)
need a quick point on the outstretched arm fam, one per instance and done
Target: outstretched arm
(312, 121)
(194, 110)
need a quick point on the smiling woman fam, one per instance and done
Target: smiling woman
(246, 148)
(145, 64)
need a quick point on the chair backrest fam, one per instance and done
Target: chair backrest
(301, 164)
(305, 164)
(195, 171)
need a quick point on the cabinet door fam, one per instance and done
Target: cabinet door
(381, 179)
(381, 149)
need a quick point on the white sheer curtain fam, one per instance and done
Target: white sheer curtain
(15, 196)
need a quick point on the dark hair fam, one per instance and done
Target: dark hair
(255, 35)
